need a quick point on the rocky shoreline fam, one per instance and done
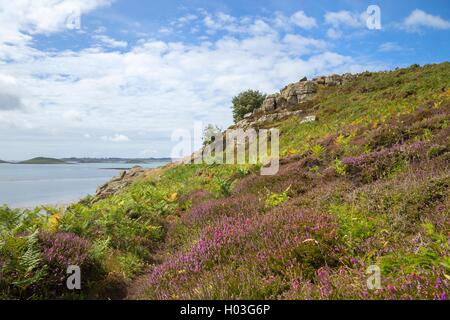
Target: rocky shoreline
(123, 180)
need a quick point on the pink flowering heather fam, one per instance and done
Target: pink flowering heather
(200, 211)
(273, 237)
(212, 210)
(324, 283)
(63, 249)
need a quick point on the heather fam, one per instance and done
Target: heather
(367, 184)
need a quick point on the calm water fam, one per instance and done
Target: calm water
(33, 185)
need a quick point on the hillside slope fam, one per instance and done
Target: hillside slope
(368, 184)
(365, 184)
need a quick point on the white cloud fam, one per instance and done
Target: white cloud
(303, 45)
(390, 47)
(334, 33)
(21, 18)
(72, 115)
(300, 19)
(345, 18)
(165, 30)
(11, 95)
(150, 86)
(116, 138)
(256, 25)
(234, 25)
(100, 30)
(347, 24)
(110, 42)
(186, 19)
(419, 19)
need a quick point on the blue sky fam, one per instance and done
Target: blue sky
(135, 71)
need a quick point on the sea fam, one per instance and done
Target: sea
(32, 185)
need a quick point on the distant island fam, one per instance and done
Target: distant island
(43, 160)
(46, 160)
(116, 160)
(135, 161)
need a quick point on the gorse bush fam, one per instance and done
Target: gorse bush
(276, 199)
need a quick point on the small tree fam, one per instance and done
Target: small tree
(246, 102)
(209, 133)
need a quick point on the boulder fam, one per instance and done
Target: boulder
(298, 92)
(269, 117)
(346, 77)
(319, 80)
(242, 124)
(333, 80)
(308, 119)
(270, 103)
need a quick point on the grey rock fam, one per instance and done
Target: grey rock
(116, 184)
(333, 80)
(319, 80)
(298, 92)
(309, 119)
(292, 97)
(347, 77)
(270, 103)
(269, 117)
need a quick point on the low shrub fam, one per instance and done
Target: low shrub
(276, 199)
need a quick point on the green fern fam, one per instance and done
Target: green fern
(23, 258)
(31, 258)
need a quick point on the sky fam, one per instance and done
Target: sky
(105, 78)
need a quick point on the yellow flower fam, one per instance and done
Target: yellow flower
(292, 151)
(447, 93)
(153, 228)
(172, 197)
(53, 222)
